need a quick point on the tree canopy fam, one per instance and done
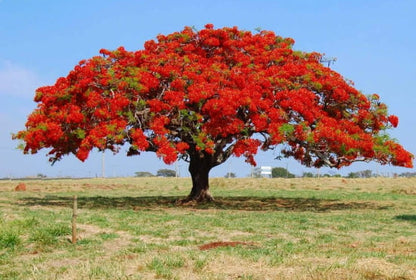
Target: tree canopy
(206, 95)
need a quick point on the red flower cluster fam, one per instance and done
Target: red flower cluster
(215, 92)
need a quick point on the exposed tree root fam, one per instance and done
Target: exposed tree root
(192, 199)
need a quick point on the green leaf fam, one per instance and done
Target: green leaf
(286, 129)
(80, 133)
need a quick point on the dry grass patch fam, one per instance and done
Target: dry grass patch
(375, 268)
(131, 228)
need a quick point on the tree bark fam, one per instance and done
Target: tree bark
(199, 167)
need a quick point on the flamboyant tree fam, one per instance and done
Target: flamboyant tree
(206, 95)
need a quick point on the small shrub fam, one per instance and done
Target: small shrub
(59, 230)
(49, 235)
(42, 237)
(9, 239)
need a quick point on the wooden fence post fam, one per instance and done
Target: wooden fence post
(74, 221)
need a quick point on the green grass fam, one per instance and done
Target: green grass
(131, 228)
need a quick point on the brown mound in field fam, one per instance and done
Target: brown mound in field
(217, 244)
(21, 187)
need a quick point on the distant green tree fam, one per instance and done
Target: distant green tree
(280, 172)
(308, 175)
(361, 174)
(353, 175)
(143, 174)
(366, 173)
(166, 173)
(230, 175)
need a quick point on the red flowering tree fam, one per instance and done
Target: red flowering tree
(205, 96)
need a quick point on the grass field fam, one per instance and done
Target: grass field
(131, 228)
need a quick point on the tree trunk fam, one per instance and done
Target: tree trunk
(199, 167)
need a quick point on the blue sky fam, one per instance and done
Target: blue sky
(374, 43)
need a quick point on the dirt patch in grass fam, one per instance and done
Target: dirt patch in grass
(217, 244)
(120, 240)
(87, 231)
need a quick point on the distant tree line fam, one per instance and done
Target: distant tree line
(143, 174)
(408, 174)
(160, 173)
(362, 174)
(277, 172)
(369, 174)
